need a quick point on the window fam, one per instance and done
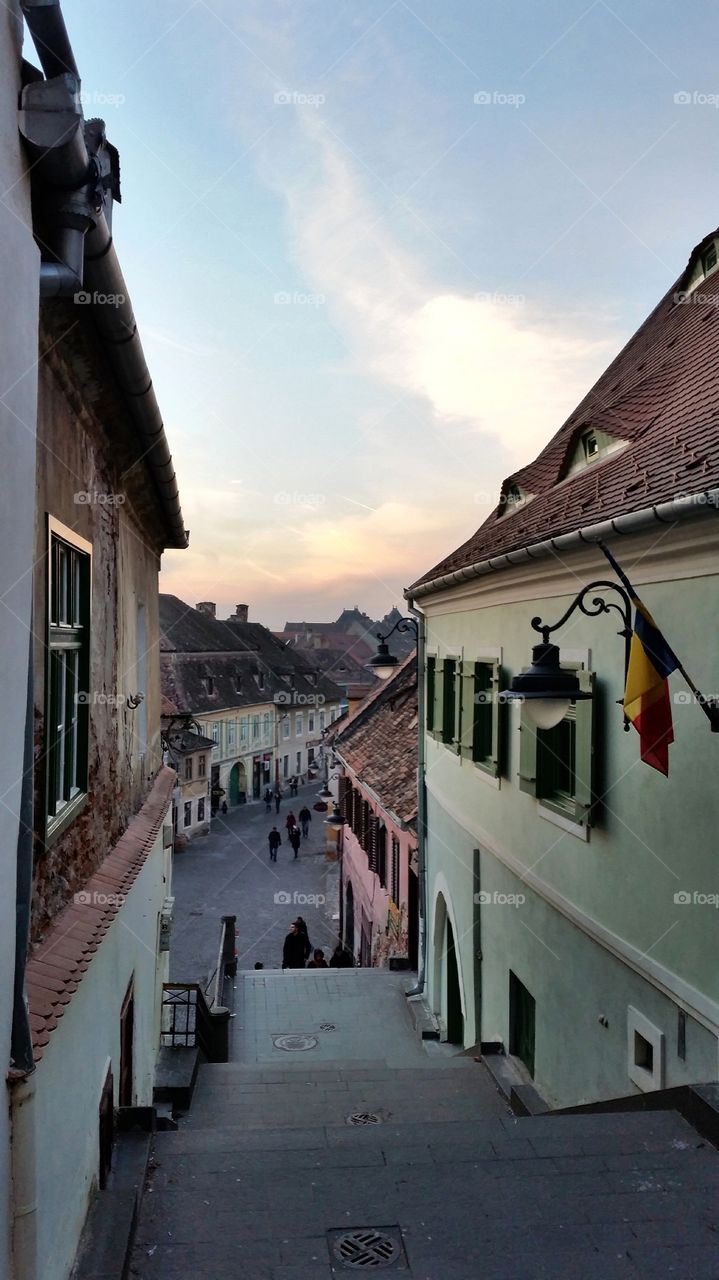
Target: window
(322, 720)
(556, 765)
(590, 445)
(310, 757)
(266, 725)
(238, 683)
(201, 810)
(255, 728)
(299, 718)
(209, 684)
(430, 692)
(231, 731)
(216, 733)
(261, 679)
(285, 766)
(709, 258)
(67, 719)
(482, 717)
(188, 813)
(202, 766)
(243, 729)
(298, 762)
(394, 882)
(286, 726)
(446, 702)
(188, 768)
(310, 722)
(382, 855)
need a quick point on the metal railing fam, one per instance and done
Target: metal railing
(186, 1019)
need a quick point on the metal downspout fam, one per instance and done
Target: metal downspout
(418, 990)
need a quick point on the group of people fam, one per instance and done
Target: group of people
(298, 948)
(298, 829)
(275, 796)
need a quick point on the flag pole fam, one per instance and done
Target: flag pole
(709, 706)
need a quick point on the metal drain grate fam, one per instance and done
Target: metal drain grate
(294, 1043)
(368, 1247)
(364, 1117)
(327, 1026)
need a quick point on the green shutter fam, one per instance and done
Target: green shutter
(449, 701)
(430, 688)
(584, 751)
(438, 700)
(527, 755)
(499, 722)
(466, 714)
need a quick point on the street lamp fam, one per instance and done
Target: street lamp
(334, 822)
(384, 663)
(547, 690)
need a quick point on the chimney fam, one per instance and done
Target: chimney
(241, 612)
(207, 607)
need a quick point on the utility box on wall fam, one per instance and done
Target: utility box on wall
(166, 924)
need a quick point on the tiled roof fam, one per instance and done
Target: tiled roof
(380, 743)
(661, 396)
(57, 964)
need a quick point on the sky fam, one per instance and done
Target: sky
(377, 252)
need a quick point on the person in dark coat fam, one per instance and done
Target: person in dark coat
(278, 800)
(318, 960)
(341, 958)
(303, 930)
(305, 820)
(291, 821)
(268, 801)
(274, 840)
(294, 838)
(293, 952)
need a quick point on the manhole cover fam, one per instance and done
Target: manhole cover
(367, 1247)
(364, 1117)
(294, 1044)
(327, 1026)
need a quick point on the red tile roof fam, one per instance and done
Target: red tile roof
(380, 742)
(661, 395)
(57, 964)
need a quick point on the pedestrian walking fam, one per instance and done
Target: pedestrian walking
(293, 785)
(268, 801)
(278, 800)
(274, 840)
(301, 925)
(293, 951)
(291, 821)
(294, 838)
(341, 958)
(305, 820)
(318, 960)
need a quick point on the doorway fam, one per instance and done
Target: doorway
(107, 1129)
(413, 920)
(455, 1021)
(350, 918)
(365, 942)
(127, 1035)
(521, 1022)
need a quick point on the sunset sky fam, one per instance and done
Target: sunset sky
(366, 297)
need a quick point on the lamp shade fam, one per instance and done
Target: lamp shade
(334, 821)
(545, 688)
(325, 793)
(383, 663)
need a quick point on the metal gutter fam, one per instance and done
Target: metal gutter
(689, 506)
(418, 990)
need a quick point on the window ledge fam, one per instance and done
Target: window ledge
(69, 813)
(578, 829)
(485, 775)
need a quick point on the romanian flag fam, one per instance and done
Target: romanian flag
(646, 693)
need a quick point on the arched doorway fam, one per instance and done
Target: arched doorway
(349, 938)
(455, 1021)
(447, 992)
(237, 784)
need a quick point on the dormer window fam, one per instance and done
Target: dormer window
(513, 496)
(238, 684)
(261, 679)
(591, 445)
(209, 684)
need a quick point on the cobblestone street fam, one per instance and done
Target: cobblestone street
(229, 873)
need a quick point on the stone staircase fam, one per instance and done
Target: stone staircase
(307, 1170)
